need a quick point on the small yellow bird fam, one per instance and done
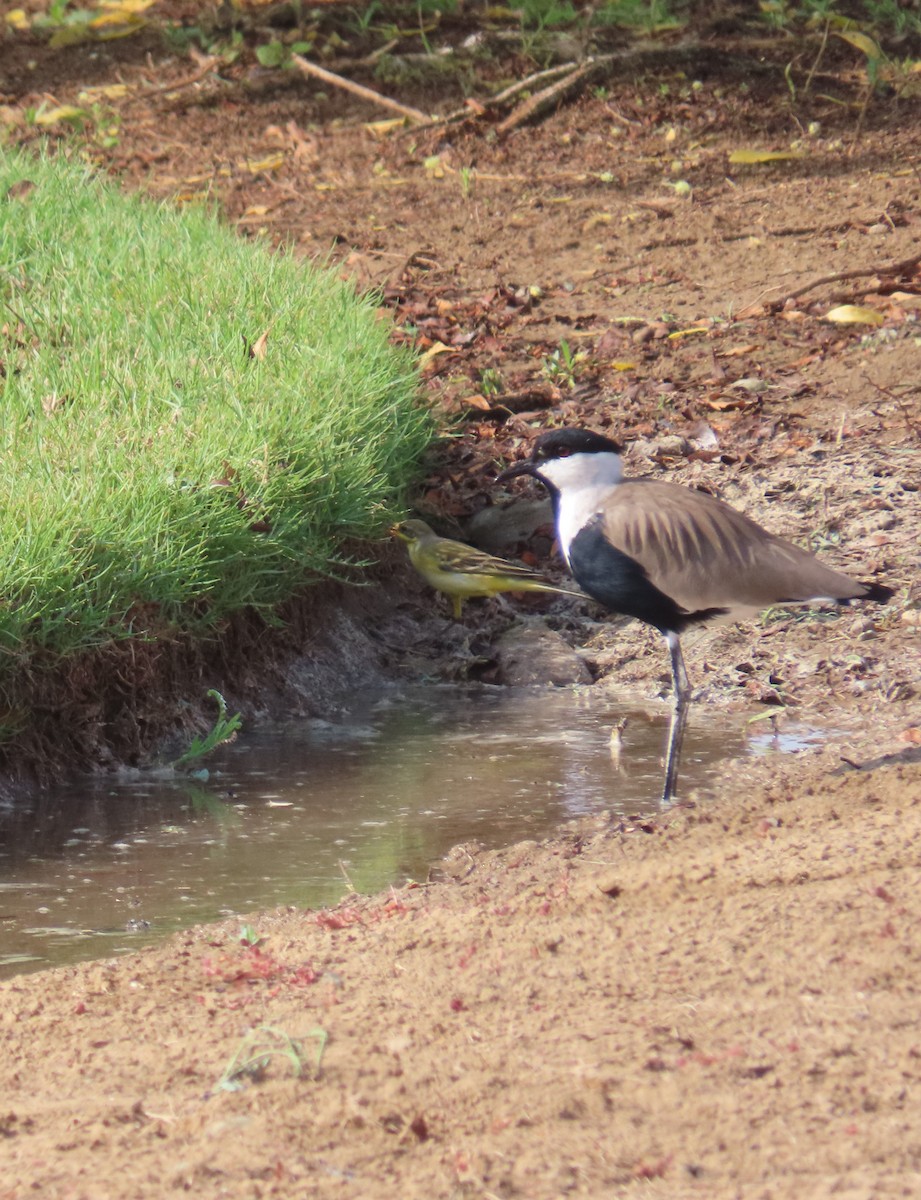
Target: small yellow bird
(461, 571)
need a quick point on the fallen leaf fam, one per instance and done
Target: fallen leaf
(69, 35)
(129, 7)
(738, 351)
(113, 91)
(20, 190)
(384, 128)
(853, 314)
(911, 299)
(433, 351)
(592, 222)
(114, 18)
(18, 19)
(726, 403)
(63, 112)
(763, 156)
(258, 348)
(272, 163)
(862, 42)
(683, 333)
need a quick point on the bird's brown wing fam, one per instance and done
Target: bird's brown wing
(704, 554)
(455, 556)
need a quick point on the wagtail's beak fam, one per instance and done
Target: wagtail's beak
(522, 468)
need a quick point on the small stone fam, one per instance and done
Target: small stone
(534, 654)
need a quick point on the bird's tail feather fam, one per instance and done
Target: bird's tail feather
(877, 592)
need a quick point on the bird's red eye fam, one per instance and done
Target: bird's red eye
(563, 452)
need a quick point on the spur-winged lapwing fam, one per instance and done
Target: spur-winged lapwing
(670, 556)
(461, 571)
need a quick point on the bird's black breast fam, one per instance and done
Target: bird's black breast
(621, 584)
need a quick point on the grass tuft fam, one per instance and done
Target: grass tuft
(162, 463)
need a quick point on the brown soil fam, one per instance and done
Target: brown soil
(720, 1002)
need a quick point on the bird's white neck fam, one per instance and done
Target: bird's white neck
(582, 482)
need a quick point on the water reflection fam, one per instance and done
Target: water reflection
(297, 813)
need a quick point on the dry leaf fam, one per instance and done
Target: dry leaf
(727, 403)
(116, 24)
(738, 351)
(763, 156)
(862, 42)
(22, 189)
(683, 333)
(113, 91)
(257, 350)
(272, 163)
(18, 19)
(63, 112)
(853, 314)
(479, 402)
(69, 35)
(384, 128)
(126, 7)
(433, 351)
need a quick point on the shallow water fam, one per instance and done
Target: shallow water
(298, 813)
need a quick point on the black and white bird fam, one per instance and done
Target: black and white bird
(669, 556)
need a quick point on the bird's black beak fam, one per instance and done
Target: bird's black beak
(525, 467)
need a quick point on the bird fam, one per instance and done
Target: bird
(461, 571)
(669, 556)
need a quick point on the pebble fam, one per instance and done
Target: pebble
(534, 654)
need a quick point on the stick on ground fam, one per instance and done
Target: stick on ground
(890, 269)
(358, 89)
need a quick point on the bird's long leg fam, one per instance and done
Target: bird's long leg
(682, 690)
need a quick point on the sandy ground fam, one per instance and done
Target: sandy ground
(721, 1002)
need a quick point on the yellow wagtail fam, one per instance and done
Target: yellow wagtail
(461, 571)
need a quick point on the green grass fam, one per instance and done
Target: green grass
(155, 475)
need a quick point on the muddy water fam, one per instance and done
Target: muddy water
(299, 813)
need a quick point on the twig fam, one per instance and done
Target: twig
(818, 58)
(897, 268)
(647, 52)
(205, 67)
(899, 401)
(479, 108)
(546, 98)
(523, 84)
(358, 89)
